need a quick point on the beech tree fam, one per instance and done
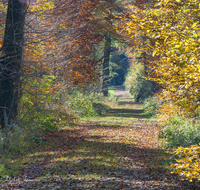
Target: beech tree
(106, 77)
(61, 41)
(11, 59)
(167, 31)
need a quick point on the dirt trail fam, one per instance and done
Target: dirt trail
(115, 151)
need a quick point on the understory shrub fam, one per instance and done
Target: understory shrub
(11, 139)
(136, 83)
(152, 105)
(141, 90)
(187, 164)
(179, 132)
(88, 104)
(15, 140)
(111, 95)
(82, 103)
(100, 108)
(42, 110)
(39, 112)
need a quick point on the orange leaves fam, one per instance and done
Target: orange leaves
(2, 21)
(1, 43)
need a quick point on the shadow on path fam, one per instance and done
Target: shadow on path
(99, 156)
(129, 113)
(81, 162)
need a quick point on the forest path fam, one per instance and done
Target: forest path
(116, 151)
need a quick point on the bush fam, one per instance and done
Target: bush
(187, 165)
(111, 95)
(41, 105)
(14, 139)
(100, 108)
(40, 110)
(11, 139)
(82, 103)
(178, 132)
(138, 86)
(152, 105)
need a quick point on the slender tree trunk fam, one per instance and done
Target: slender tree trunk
(106, 65)
(11, 59)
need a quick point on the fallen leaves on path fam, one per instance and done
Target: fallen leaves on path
(119, 154)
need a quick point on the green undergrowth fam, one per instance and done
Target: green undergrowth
(180, 132)
(89, 104)
(19, 139)
(177, 135)
(100, 108)
(151, 105)
(100, 151)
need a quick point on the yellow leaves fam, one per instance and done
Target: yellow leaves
(177, 46)
(154, 53)
(129, 24)
(134, 16)
(128, 31)
(40, 6)
(3, 7)
(175, 49)
(188, 162)
(194, 24)
(195, 35)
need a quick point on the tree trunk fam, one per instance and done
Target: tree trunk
(106, 65)
(11, 59)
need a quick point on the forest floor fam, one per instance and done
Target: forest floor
(118, 150)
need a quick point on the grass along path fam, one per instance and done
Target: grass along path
(116, 151)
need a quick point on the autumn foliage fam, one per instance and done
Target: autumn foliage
(188, 163)
(63, 49)
(166, 35)
(167, 32)
(63, 43)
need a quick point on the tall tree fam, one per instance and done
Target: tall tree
(109, 9)
(10, 60)
(106, 77)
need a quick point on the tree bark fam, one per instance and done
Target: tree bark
(106, 78)
(11, 59)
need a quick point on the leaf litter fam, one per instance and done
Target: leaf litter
(120, 153)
